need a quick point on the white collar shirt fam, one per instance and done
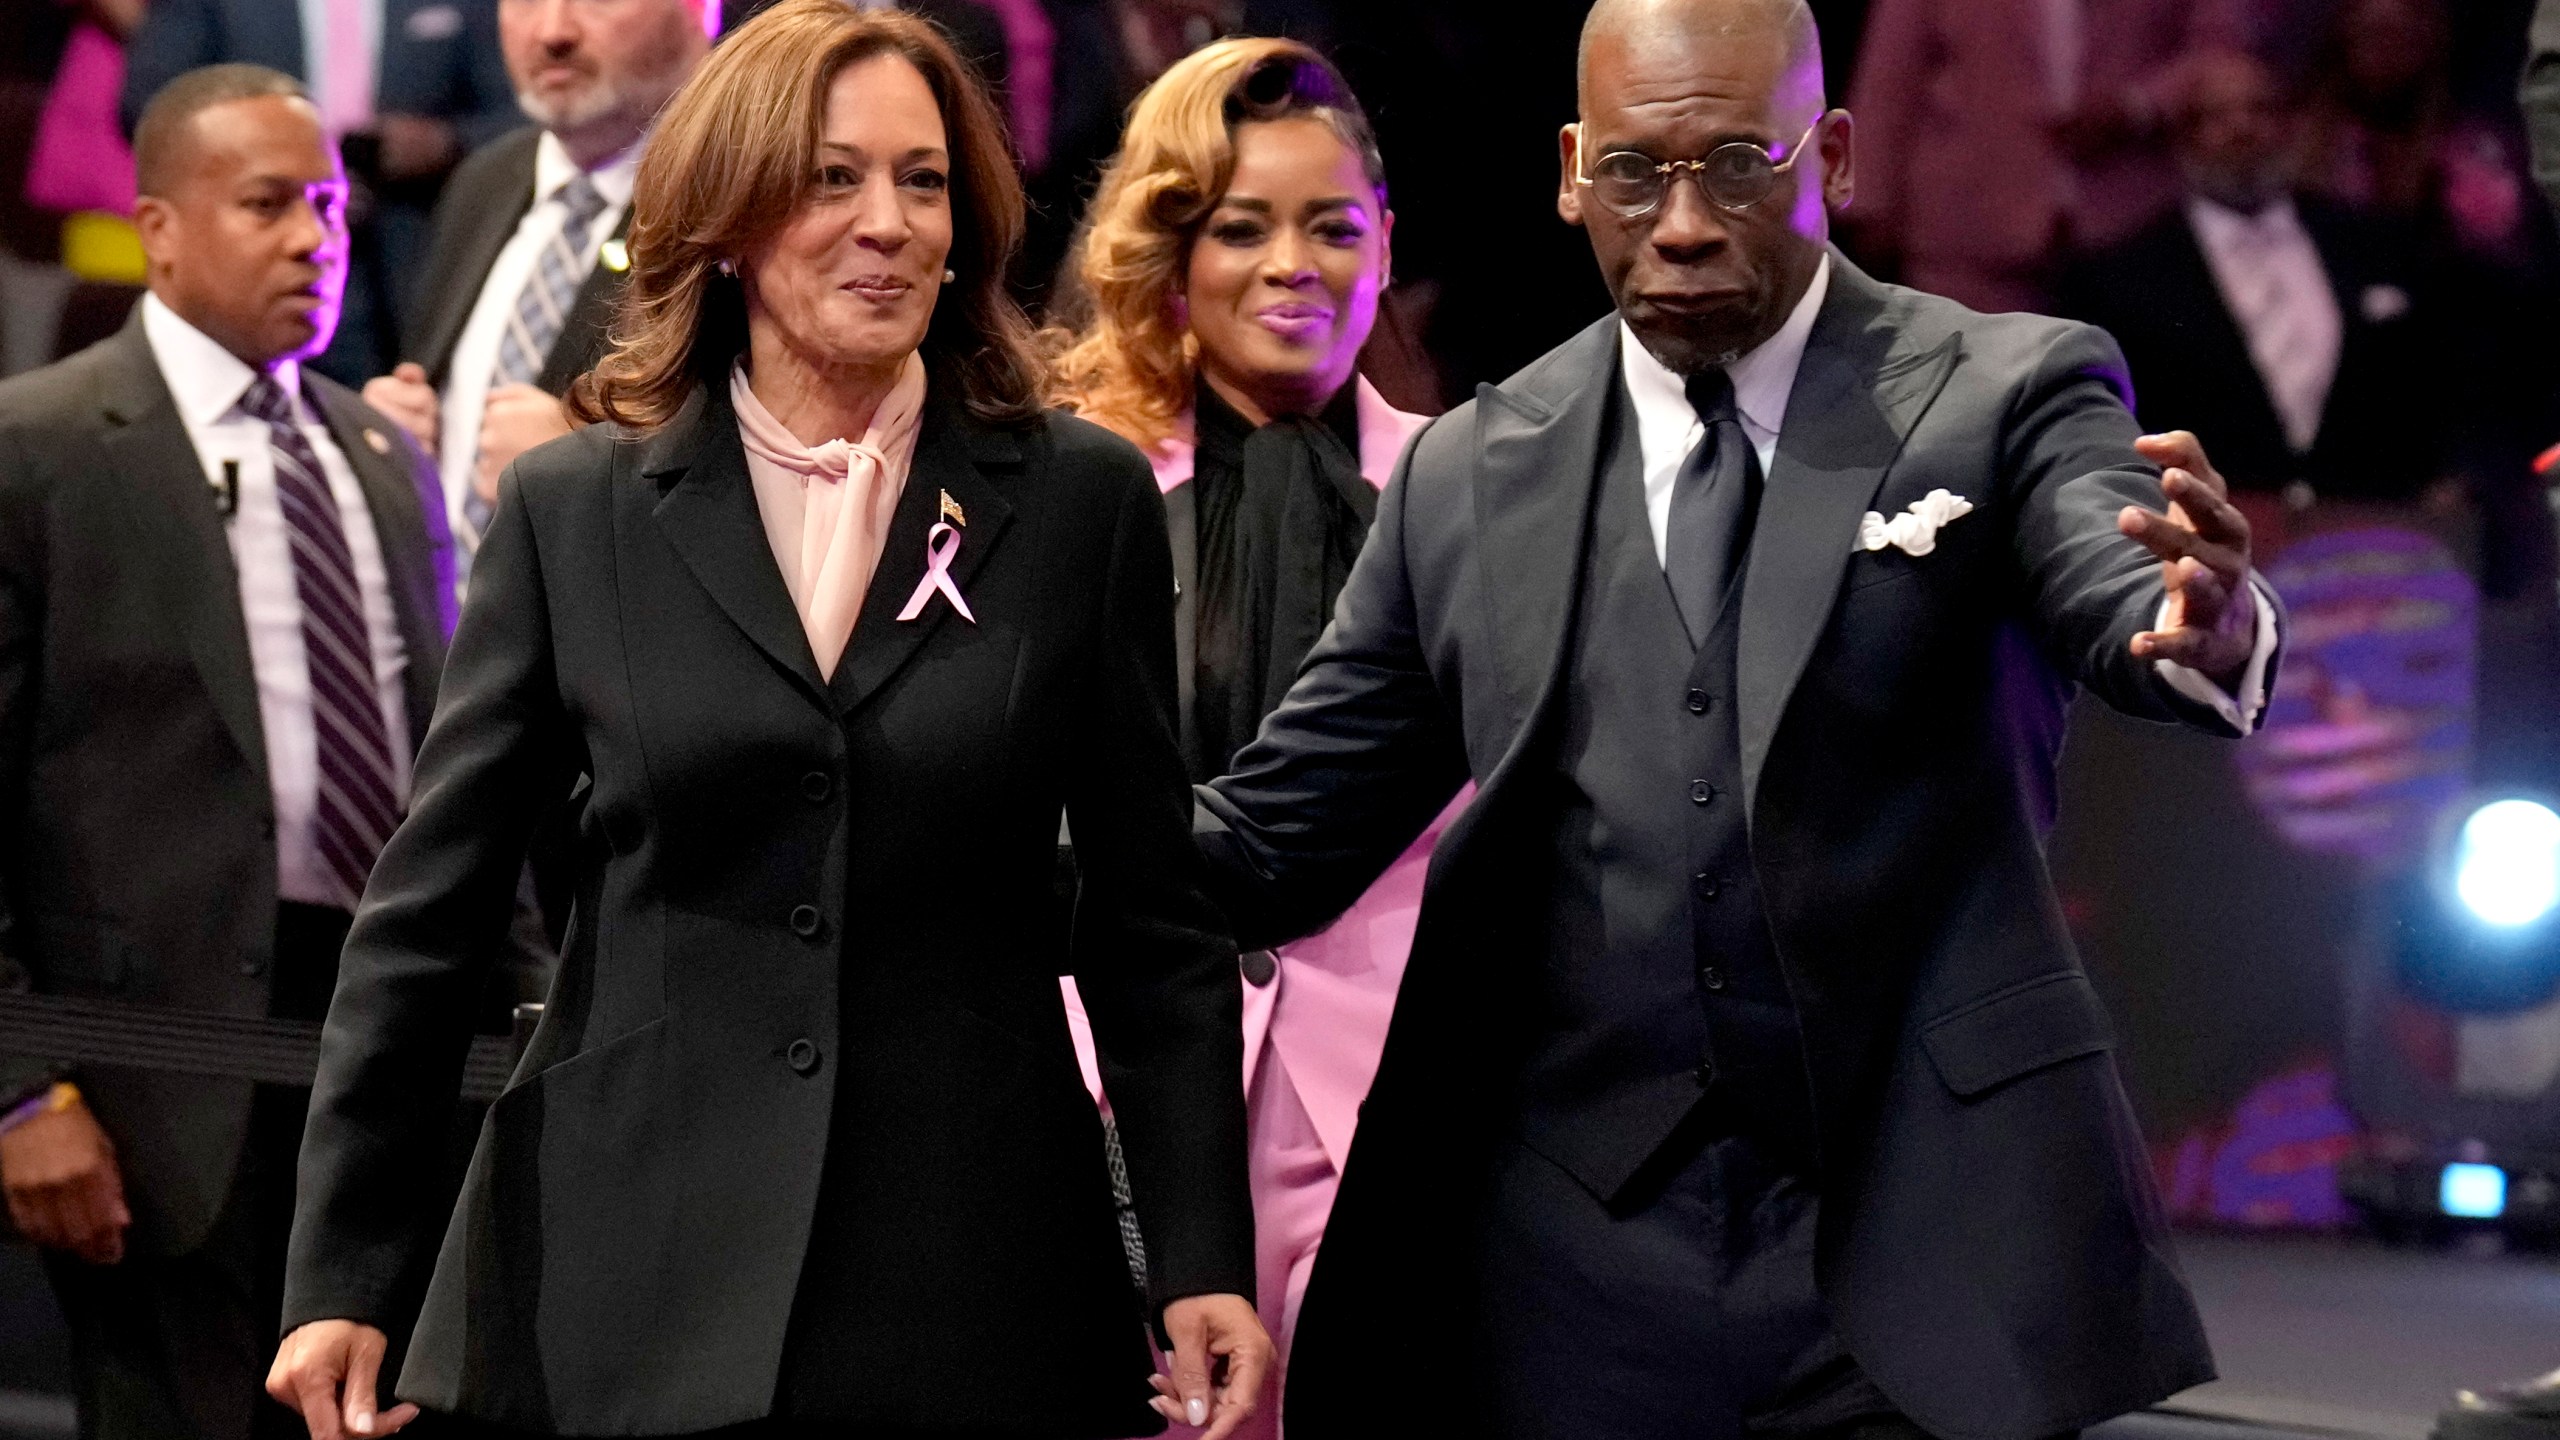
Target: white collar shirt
(206, 382)
(2278, 292)
(471, 373)
(1668, 428)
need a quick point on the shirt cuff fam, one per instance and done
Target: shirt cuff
(2241, 710)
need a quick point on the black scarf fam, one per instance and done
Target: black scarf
(1282, 511)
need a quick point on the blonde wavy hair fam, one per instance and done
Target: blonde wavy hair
(1127, 363)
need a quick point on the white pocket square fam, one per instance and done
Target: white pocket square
(1914, 531)
(435, 22)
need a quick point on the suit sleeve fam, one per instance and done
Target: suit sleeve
(1155, 966)
(1355, 762)
(175, 37)
(2089, 589)
(434, 922)
(21, 624)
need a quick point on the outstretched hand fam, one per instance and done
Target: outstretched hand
(2203, 544)
(1221, 1356)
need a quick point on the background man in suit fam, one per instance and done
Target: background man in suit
(409, 87)
(2285, 328)
(1743, 1080)
(223, 603)
(528, 262)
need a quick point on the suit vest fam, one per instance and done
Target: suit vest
(1662, 995)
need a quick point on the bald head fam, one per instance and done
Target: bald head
(1639, 25)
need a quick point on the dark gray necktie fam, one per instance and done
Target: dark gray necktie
(1712, 501)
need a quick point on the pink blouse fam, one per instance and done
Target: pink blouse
(826, 510)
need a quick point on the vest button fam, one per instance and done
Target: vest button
(806, 922)
(1700, 702)
(1711, 977)
(1701, 792)
(802, 1057)
(817, 785)
(253, 967)
(1706, 886)
(1706, 1073)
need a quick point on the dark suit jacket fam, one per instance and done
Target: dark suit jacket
(135, 810)
(439, 59)
(1991, 1248)
(482, 205)
(795, 896)
(2191, 368)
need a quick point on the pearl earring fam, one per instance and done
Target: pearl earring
(728, 268)
(949, 274)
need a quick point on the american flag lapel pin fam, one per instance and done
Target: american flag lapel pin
(952, 512)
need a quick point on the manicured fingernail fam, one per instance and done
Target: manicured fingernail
(1196, 1410)
(361, 1422)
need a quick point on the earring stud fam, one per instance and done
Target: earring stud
(949, 274)
(728, 268)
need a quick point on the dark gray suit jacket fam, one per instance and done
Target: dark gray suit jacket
(1991, 1248)
(137, 828)
(439, 58)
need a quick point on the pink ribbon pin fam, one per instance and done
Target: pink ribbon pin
(939, 547)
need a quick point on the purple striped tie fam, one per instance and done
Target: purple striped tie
(356, 807)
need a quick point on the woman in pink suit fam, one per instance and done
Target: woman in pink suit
(1229, 274)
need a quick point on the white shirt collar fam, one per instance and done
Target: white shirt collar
(2220, 225)
(204, 379)
(552, 168)
(1762, 379)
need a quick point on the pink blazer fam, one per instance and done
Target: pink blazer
(1326, 1013)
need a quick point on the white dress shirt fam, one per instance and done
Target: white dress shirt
(344, 100)
(1668, 428)
(2279, 295)
(468, 376)
(207, 382)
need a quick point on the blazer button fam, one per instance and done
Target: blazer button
(817, 785)
(1701, 792)
(1706, 886)
(1700, 702)
(1706, 1073)
(1711, 977)
(806, 922)
(253, 968)
(802, 1057)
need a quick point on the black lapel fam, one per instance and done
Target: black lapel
(707, 510)
(584, 336)
(146, 447)
(483, 226)
(1860, 389)
(2216, 340)
(417, 555)
(955, 455)
(1537, 467)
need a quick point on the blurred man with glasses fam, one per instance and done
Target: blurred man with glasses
(1744, 1082)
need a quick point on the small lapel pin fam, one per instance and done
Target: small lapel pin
(615, 256)
(952, 512)
(375, 439)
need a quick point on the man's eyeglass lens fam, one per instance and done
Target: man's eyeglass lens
(1735, 176)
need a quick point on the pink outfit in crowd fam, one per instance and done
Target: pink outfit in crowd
(826, 511)
(1312, 1036)
(80, 160)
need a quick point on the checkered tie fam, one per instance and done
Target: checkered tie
(542, 308)
(357, 805)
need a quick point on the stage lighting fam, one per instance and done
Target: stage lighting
(2472, 1192)
(2479, 921)
(2507, 862)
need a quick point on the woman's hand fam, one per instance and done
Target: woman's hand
(320, 1358)
(1217, 1340)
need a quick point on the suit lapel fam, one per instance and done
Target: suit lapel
(1538, 465)
(1857, 394)
(2220, 342)
(707, 511)
(417, 555)
(146, 446)
(490, 226)
(953, 456)
(582, 337)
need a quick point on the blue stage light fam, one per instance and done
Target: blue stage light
(2473, 1192)
(2507, 863)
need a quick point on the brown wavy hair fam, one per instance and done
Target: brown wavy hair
(735, 155)
(1128, 364)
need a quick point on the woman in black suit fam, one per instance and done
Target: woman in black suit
(800, 1144)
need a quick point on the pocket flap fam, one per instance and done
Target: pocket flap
(1991, 1041)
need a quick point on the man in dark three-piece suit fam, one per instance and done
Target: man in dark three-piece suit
(223, 602)
(1744, 1081)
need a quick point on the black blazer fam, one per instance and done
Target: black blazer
(482, 205)
(795, 897)
(139, 829)
(1991, 1249)
(2155, 293)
